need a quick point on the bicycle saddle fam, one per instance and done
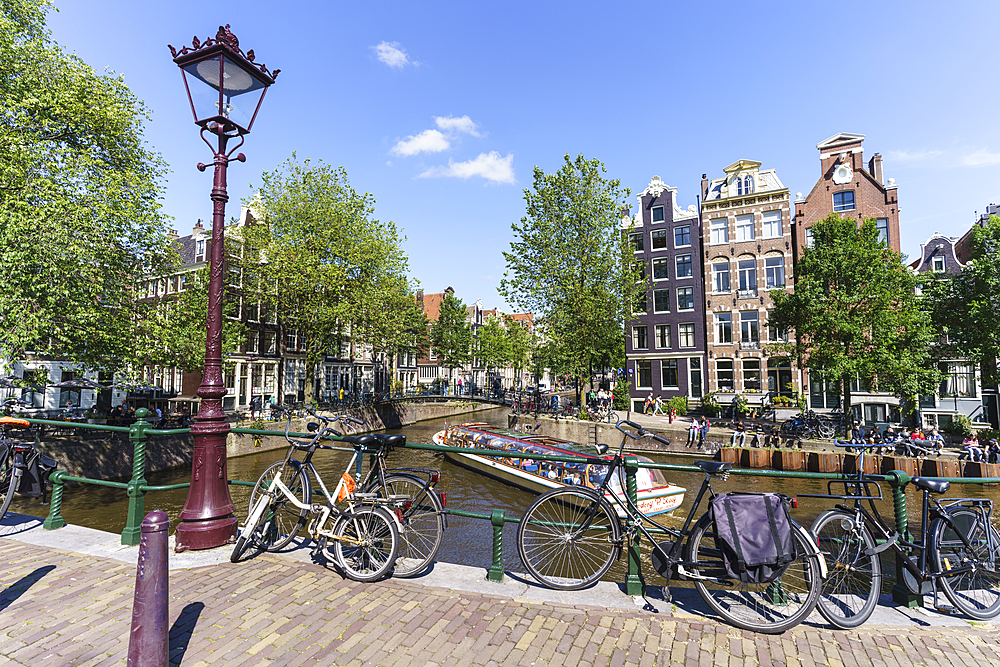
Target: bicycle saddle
(391, 441)
(712, 467)
(362, 441)
(932, 485)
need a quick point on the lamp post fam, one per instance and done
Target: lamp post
(225, 88)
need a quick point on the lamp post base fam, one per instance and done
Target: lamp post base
(205, 534)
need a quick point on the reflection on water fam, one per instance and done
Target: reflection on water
(467, 541)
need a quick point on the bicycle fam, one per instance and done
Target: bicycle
(960, 550)
(23, 469)
(421, 516)
(569, 537)
(365, 536)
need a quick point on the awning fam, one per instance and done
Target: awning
(183, 398)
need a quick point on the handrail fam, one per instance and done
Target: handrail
(136, 488)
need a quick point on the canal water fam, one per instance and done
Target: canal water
(467, 541)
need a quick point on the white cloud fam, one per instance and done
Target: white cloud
(981, 158)
(392, 55)
(490, 166)
(463, 125)
(428, 141)
(908, 156)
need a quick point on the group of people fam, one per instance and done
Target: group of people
(913, 443)
(601, 398)
(974, 451)
(698, 431)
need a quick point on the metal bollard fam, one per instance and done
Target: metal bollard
(149, 639)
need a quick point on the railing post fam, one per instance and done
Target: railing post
(900, 593)
(634, 583)
(54, 519)
(495, 573)
(149, 639)
(136, 486)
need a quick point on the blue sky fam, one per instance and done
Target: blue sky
(442, 110)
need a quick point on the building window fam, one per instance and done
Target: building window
(252, 341)
(724, 374)
(684, 266)
(774, 334)
(744, 228)
(723, 328)
(668, 373)
(268, 343)
(882, 225)
(659, 239)
(843, 201)
(682, 236)
(744, 185)
(644, 374)
(201, 248)
(685, 298)
(640, 303)
(639, 341)
(719, 230)
(661, 300)
(662, 336)
(774, 272)
(660, 270)
(748, 275)
(636, 240)
(751, 374)
(685, 334)
(771, 226)
(290, 340)
(657, 214)
(938, 264)
(640, 268)
(252, 312)
(809, 237)
(720, 274)
(749, 331)
(959, 379)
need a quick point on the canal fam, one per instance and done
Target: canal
(466, 541)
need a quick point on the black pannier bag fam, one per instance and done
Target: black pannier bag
(754, 533)
(35, 478)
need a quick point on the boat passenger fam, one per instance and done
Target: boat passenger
(552, 474)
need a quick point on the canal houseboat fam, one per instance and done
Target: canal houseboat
(654, 493)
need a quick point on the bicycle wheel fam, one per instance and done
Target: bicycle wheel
(824, 429)
(423, 524)
(854, 579)
(553, 547)
(258, 522)
(288, 518)
(975, 593)
(8, 483)
(769, 608)
(366, 543)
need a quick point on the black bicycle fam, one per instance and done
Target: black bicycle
(570, 536)
(23, 469)
(958, 549)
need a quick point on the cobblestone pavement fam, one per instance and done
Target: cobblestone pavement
(63, 608)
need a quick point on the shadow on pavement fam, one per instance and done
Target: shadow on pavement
(181, 631)
(15, 590)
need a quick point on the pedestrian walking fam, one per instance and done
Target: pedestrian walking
(647, 405)
(658, 405)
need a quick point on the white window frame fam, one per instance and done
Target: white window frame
(718, 231)
(937, 264)
(716, 275)
(721, 322)
(658, 234)
(744, 228)
(771, 224)
(678, 292)
(667, 290)
(662, 261)
(652, 214)
(658, 337)
(690, 265)
(769, 270)
(683, 333)
(676, 230)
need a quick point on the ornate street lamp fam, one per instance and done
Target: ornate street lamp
(225, 89)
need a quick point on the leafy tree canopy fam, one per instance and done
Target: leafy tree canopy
(451, 335)
(967, 307)
(570, 264)
(318, 256)
(493, 345)
(855, 312)
(80, 220)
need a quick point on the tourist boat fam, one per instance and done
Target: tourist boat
(654, 493)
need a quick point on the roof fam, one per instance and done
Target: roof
(840, 139)
(764, 181)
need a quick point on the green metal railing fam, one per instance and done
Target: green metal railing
(137, 487)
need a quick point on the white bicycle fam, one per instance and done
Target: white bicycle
(363, 538)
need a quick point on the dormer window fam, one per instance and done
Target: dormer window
(937, 264)
(744, 185)
(200, 248)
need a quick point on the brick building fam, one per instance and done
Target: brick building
(747, 252)
(665, 341)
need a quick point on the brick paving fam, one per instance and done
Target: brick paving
(62, 608)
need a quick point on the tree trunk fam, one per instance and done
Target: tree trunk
(848, 413)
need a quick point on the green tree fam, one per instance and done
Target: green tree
(493, 345)
(451, 335)
(317, 255)
(519, 342)
(80, 220)
(855, 313)
(965, 306)
(570, 264)
(175, 327)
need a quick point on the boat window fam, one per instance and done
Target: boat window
(649, 478)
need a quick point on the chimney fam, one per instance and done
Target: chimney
(704, 186)
(172, 233)
(197, 228)
(875, 167)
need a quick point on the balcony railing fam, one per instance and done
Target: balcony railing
(747, 293)
(749, 345)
